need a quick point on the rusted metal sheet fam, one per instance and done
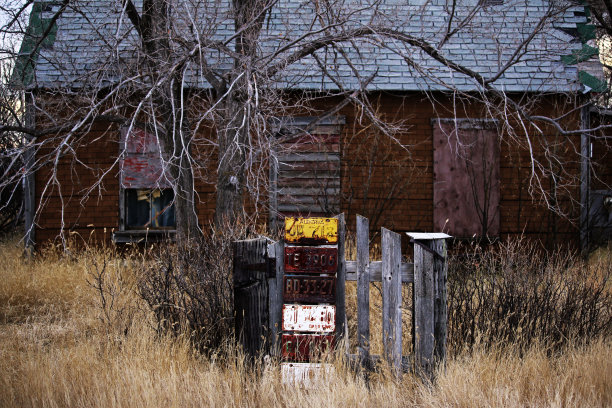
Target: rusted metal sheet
(306, 374)
(313, 289)
(311, 230)
(309, 318)
(139, 141)
(141, 165)
(305, 347)
(311, 260)
(143, 171)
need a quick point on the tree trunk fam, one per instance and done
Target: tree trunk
(177, 143)
(232, 136)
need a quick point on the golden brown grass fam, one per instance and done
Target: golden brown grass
(56, 351)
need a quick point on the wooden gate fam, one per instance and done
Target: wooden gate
(258, 283)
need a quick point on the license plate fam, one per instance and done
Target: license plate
(313, 289)
(306, 375)
(309, 318)
(311, 230)
(305, 347)
(311, 260)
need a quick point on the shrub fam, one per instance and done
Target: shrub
(518, 294)
(189, 287)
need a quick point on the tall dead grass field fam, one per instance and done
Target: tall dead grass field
(61, 347)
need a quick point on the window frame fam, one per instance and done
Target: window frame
(126, 234)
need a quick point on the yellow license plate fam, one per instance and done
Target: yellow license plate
(311, 230)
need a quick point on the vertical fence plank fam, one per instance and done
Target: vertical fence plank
(423, 313)
(440, 311)
(363, 288)
(341, 326)
(392, 298)
(276, 297)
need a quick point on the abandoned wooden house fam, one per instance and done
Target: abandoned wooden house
(452, 154)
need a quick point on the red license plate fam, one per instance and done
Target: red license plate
(305, 347)
(311, 260)
(313, 289)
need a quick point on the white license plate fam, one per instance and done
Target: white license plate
(309, 318)
(305, 374)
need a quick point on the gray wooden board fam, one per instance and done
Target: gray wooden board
(310, 157)
(308, 191)
(363, 287)
(276, 298)
(423, 314)
(302, 208)
(392, 298)
(375, 271)
(440, 311)
(314, 199)
(341, 326)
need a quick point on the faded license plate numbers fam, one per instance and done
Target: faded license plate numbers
(311, 230)
(315, 289)
(309, 318)
(304, 347)
(311, 260)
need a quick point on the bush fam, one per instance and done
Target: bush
(189, 287)
(518, 294)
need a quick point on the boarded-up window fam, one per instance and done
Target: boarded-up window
(146, 196)
(305, 168)
(466, 177)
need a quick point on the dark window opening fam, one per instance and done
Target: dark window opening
(149, 208)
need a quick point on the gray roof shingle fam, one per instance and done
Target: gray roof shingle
(94, 42)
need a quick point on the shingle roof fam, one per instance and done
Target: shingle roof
(84, 47)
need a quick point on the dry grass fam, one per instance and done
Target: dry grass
(57, 349)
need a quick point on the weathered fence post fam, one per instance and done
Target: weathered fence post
(275, 284)
(429, 316)
(392, 298)
(251, 294)
(363, 289)
(440, 306)
(341, 326)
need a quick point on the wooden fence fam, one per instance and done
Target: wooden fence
(258, 284)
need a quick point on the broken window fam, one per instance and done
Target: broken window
(146, 199)
(149, 208)
(305, 168)
(466, 177)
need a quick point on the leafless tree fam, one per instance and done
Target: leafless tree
(206, 77)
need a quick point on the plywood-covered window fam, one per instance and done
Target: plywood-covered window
(146, 199)
(466, 177)
(305, 168)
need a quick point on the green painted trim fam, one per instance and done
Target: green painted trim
(23, 73)
(596, 84)
(581, 55)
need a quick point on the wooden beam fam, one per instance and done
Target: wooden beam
(375, 271)
(363, 287)
(341, 326)
(276, 296)
(423, 314)
(392, 299)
